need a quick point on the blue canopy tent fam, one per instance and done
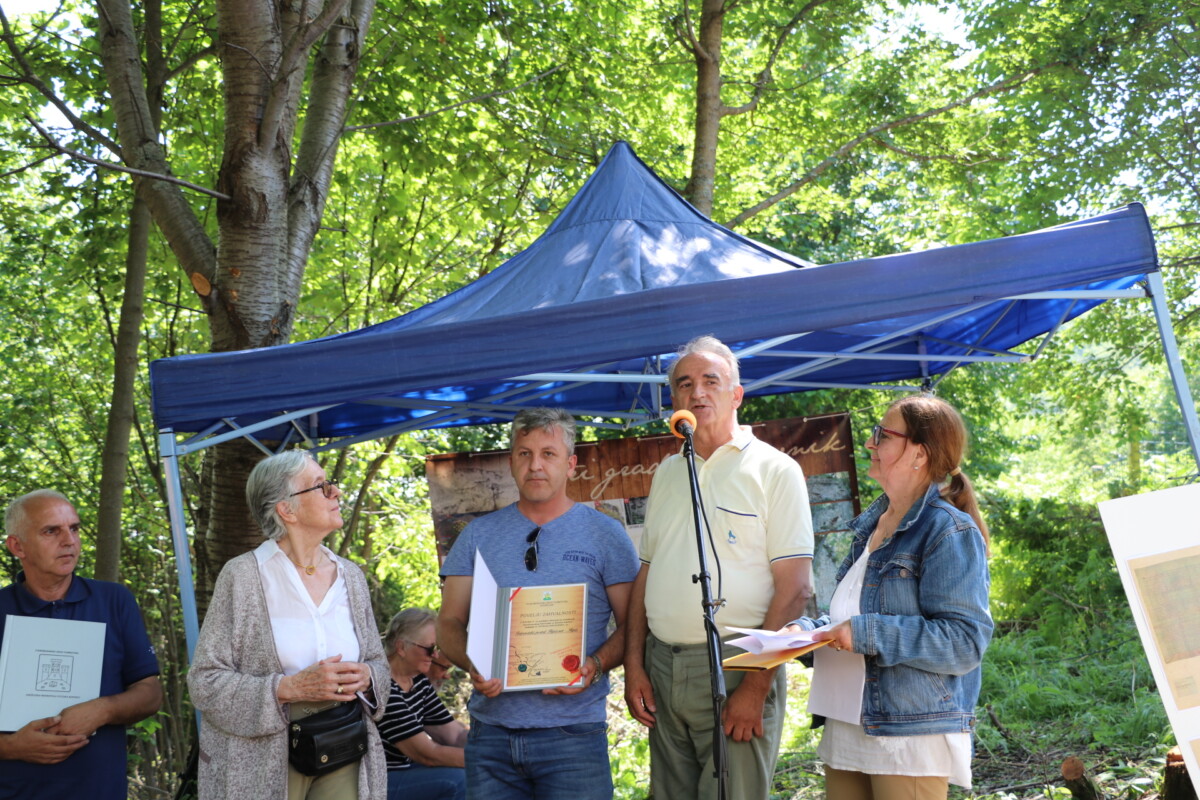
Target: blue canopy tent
(629, 270)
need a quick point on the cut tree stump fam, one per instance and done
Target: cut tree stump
(1082, 785)
(1177, 784)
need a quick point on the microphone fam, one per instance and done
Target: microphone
(682, 423)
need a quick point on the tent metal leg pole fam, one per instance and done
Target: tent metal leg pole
(179, 539)
(1158, 297)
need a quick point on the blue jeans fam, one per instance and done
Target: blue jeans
(565, 763)
(420, 782)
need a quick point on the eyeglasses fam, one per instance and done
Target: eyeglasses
(429, 649)
(878, 431)
(327, 488)
(531, 553)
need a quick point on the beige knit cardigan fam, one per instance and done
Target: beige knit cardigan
(234, 678)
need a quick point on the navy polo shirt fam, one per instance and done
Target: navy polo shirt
(96, 770)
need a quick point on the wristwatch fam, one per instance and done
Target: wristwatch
(599, 668)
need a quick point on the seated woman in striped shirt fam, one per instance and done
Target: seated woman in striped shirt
(423, 743)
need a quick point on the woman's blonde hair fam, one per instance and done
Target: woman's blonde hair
(405, 625)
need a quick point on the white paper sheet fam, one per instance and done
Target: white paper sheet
(837, 685)
(759, 641)
(481, 631)
(47, 665)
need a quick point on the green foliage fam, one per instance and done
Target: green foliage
(1093, 690)
(1051, 563)
(630, 760)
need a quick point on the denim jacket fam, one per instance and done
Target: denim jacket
(924, 622)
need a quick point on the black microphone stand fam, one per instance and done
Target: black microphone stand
(710, 606)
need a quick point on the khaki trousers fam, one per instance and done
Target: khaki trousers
(340, 784)
(843, 785)
(681, 753)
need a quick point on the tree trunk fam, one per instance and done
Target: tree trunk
(230, 529)
(114, 459)
(268, 225)
(250, 282)
(1076, 778)
(1177, 784)
(706, 48)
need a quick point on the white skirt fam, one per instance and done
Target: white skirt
(844, 743)
(847, 747)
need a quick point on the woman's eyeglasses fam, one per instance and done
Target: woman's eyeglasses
(878, 431)
(429, 649)
(327, 488)
(532, 553)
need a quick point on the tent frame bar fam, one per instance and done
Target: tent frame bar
(170, 450)
(1015, 358)
(1183, 393)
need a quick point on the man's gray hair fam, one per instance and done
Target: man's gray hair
(543, 418)
(709, 345)
(15, 518)
(271, 482)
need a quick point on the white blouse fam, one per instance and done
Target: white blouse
(305, 632)
(846, 746)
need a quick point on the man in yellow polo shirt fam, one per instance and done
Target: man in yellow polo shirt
(756, 503)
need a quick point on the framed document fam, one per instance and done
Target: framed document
(47, 665)
(530, 637)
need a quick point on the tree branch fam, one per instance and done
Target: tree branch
(476, 99)
(1183, 176)
(764, 79)
(29, 76)
(188, 63)
(180, 307)
(141, 148)
(1003, 85)
(290, 60)
(30, 165)
(66, 151)
(895, 148)
(685, 30)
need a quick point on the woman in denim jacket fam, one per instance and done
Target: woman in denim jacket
(909, 620)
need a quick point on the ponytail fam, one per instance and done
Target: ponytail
(937, 426)
(961, 494)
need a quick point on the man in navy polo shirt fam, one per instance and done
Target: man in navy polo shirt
(81, 750)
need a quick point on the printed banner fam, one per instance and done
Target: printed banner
(614, 476)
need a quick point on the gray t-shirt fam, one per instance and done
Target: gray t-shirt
(581, 546)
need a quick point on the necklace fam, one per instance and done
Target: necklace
(310, 569)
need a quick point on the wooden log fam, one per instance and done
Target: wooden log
(1077, 779)
(1177, 784)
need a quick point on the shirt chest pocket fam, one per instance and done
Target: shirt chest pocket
(900, 586)
(739, 535)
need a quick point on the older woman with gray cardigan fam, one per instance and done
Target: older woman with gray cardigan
(289, 633)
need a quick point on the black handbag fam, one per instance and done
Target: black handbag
(327, 740)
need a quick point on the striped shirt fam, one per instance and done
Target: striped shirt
(407, 715)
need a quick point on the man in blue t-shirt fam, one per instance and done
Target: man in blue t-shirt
(80, 751)
(552, 743)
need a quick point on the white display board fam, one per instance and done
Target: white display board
(1155, 539)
